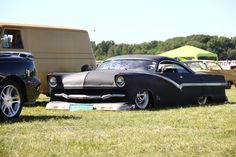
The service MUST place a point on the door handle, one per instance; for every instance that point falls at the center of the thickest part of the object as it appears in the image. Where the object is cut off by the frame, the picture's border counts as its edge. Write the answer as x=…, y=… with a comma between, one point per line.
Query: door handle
x=181, y=77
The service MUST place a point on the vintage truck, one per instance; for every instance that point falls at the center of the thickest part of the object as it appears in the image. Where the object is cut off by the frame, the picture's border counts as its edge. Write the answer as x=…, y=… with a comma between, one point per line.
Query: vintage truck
x=55, y=49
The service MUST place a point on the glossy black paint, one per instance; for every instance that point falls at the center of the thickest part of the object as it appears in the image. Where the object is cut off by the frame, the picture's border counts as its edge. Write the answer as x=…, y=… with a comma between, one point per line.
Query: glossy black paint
x=14, y=67
x=165, y=88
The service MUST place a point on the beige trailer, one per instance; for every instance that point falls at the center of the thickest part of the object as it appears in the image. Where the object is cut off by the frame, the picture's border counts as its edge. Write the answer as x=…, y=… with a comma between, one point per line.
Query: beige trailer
x=55, y=49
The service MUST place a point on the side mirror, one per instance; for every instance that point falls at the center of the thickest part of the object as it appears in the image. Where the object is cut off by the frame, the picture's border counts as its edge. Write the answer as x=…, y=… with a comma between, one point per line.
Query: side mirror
x=6, y=40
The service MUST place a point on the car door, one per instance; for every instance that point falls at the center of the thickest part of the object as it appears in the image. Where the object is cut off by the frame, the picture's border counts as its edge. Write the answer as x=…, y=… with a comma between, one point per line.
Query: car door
x=186, y=81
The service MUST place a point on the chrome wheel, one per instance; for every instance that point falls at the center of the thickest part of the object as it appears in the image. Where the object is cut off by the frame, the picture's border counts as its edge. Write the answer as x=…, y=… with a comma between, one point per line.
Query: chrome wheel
x=202, y=100
x=10, y=101
x=142, y=99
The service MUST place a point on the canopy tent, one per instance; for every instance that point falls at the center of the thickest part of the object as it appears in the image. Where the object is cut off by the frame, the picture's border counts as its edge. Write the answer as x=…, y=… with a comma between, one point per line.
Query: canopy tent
x=190, y=53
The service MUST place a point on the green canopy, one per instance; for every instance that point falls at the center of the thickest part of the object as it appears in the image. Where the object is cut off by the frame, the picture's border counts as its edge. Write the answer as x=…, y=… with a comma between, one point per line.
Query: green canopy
x=190, y=53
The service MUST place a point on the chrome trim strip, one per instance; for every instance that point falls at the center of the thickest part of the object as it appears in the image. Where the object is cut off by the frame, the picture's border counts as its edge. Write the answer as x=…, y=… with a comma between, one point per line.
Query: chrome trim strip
x=200, y=84
x=169, y=80
x=181, y=86
x=84, y=97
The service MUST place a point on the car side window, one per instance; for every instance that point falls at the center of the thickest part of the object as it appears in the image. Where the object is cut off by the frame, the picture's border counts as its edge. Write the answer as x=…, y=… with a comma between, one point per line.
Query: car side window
x=171, y=67
x=12, y=39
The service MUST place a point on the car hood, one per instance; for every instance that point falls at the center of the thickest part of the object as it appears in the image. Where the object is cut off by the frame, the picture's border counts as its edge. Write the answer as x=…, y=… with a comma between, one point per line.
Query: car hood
x=90, y=79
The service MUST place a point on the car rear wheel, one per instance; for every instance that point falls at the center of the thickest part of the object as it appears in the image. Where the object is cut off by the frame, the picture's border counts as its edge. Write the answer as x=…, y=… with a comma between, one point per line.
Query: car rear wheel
x=142, y=99
x=202, y=100
x=10, y=100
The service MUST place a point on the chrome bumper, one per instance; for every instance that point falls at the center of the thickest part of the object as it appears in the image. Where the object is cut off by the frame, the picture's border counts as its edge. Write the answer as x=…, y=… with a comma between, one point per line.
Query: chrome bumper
x=87, y=97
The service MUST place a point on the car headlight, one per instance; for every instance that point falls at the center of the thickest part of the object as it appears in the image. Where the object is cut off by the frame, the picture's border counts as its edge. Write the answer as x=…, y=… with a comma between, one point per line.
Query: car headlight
x=120, y=81
x=52, y=81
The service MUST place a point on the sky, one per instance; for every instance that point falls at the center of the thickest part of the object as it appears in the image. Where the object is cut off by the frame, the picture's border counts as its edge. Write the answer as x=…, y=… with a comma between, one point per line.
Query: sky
x=128, y=21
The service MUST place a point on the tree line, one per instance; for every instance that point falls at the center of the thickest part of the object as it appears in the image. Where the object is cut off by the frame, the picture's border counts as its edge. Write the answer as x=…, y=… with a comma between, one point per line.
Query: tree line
x=224, y=47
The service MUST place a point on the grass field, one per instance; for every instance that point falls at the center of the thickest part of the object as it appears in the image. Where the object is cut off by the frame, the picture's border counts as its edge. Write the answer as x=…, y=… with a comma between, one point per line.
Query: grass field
x=191, y=131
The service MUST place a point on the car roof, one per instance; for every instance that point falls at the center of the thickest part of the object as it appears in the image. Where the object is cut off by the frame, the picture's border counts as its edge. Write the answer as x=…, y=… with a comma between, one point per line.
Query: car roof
x=200, y=61
x=157, y=58
x=39, y=26
x=142, y=56
x=189, y=61
x=15, y=53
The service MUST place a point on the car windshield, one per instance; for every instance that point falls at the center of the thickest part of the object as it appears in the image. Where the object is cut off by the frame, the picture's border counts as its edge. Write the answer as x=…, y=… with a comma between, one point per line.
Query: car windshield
x=125, y=64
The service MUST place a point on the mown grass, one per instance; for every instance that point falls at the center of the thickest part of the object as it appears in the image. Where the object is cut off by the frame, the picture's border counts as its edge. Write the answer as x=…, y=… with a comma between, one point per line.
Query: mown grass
x=191, y=131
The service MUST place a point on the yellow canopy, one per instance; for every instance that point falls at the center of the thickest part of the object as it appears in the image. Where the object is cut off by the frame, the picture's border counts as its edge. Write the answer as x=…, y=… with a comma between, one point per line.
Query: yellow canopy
x=190, y=53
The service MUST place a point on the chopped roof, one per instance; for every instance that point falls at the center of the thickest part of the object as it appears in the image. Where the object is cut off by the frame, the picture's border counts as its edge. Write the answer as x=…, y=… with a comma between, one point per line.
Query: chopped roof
x=140, y=56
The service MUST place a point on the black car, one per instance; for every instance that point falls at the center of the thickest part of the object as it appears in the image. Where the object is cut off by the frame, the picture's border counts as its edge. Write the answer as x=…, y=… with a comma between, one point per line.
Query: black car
x=143, y=80
x=18, y=83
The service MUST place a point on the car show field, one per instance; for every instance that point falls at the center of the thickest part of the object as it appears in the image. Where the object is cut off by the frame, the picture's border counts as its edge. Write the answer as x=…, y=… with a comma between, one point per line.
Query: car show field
x=119, y=79
x=180, y=131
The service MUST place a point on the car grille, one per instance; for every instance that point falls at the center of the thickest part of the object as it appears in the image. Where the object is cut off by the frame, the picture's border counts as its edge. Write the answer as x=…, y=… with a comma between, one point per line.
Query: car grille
x=90, y=92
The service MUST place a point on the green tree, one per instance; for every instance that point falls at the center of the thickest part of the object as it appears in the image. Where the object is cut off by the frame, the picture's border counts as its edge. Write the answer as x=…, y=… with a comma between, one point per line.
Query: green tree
x=222, y=46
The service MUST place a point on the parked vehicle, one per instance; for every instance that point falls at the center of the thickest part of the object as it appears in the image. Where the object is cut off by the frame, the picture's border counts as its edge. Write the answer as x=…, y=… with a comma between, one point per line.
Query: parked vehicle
x=18, y=83
x=55, y=49
x=213, y=67
x=143, y=80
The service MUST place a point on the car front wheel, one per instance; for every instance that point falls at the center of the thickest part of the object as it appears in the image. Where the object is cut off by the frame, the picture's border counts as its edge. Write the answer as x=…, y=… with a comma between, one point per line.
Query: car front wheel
x=142, y=99
x=10, y=100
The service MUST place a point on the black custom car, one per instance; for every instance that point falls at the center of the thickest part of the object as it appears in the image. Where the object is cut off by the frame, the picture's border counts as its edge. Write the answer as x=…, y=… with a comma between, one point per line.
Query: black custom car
x=18, y=83
x=143, y=80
